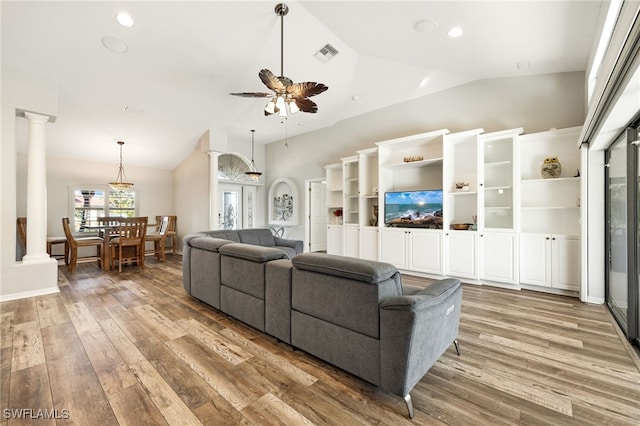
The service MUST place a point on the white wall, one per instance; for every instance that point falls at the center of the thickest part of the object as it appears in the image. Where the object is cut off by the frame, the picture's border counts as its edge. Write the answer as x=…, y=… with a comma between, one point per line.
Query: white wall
x=536, y=103
x=192, y=186
x=154, y=187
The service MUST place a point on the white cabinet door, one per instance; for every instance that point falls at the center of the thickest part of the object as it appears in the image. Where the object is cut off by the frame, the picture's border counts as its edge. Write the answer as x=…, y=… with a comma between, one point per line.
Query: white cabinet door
x=351, y=241
x=393, y=247
x=535, y=259
x=334, y=239
x=369, y=243
x=461, y=254
x=565, y=262
x=425, y=251
x=498, y=257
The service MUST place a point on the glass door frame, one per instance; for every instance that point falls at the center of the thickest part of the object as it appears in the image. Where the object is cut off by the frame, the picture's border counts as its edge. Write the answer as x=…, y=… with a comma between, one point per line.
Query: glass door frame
x=631, y=327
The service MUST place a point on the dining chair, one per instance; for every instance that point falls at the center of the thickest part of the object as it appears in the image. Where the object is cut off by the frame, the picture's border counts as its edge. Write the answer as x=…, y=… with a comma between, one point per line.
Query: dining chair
x=128, y=246
x=51, y=241
x=75, y=243
x=159, y=237
x=171, y=232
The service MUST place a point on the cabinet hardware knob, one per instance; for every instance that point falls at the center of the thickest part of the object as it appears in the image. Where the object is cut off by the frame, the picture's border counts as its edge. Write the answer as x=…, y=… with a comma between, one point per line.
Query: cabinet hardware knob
x=547, y=238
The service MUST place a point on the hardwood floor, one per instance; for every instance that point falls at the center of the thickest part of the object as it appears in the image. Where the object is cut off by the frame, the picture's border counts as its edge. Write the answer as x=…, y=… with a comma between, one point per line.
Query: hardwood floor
x=133, y=348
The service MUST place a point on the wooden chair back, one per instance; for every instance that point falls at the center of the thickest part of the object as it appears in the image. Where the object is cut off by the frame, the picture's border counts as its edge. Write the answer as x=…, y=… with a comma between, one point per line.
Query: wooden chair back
x=22, y=231
x=111, y=224
x=66, y=226
x=131, y=230
x=171, y=230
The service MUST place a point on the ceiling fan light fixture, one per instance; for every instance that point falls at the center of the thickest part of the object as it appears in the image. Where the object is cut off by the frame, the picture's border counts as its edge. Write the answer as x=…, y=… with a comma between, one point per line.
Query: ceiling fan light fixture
x=284, y=89
x=271, y=107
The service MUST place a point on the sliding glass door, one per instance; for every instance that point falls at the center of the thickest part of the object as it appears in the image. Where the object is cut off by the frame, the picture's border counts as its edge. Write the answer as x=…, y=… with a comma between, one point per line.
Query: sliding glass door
x=617, y=274
x=623, y=242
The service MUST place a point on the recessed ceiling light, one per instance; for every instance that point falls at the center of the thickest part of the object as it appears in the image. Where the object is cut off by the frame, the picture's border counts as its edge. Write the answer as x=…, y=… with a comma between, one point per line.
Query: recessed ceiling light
x=115, y=44
x=425, y=26
x=355, y=97
x=455, y=32
x=124, y=19
x=424, y=82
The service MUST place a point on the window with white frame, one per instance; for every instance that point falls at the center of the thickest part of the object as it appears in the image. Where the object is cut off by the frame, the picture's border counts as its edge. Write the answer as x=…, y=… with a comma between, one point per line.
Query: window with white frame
x=90, y=202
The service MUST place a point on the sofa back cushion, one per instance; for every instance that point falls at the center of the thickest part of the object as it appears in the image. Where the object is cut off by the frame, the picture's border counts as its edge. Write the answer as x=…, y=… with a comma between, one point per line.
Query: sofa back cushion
x=347, y=298
x=224, y=234
x=346, y=267
x=259, y=237
x=208, y=244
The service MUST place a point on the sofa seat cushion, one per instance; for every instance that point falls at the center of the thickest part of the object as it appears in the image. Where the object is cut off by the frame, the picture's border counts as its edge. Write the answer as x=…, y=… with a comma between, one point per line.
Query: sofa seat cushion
x=259, y=237
x=345, y=267
x=208, y=243
x=252, y=252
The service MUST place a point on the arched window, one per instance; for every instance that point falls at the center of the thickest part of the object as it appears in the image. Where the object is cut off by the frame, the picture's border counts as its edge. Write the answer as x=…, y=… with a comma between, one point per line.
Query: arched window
x=231, y=167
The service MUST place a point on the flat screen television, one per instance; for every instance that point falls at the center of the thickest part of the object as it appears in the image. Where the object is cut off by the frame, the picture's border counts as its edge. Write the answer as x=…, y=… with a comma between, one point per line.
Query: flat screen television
x=413, y=208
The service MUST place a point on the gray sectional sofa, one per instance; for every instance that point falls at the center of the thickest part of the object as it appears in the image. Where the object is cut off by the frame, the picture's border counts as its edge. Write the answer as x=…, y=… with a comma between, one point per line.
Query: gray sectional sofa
x=352, y=313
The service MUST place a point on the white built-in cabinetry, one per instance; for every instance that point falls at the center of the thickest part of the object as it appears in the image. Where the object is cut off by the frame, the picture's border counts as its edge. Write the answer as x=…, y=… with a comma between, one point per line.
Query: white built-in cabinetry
x=523, y=229
x=550, y=211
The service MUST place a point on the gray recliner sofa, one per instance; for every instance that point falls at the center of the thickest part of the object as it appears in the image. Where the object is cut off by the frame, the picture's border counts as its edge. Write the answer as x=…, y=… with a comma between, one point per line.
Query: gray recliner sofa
x=352, y=313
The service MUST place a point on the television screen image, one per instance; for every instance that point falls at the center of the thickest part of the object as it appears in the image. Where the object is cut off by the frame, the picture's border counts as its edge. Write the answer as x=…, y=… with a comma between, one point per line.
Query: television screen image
x=413, y=208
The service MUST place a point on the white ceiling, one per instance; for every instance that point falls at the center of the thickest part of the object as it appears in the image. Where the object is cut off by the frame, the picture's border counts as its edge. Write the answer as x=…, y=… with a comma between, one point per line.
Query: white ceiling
x=184, y=58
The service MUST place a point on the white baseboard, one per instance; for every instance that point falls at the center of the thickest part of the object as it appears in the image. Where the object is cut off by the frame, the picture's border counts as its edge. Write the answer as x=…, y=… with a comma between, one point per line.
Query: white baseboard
x=33, y=293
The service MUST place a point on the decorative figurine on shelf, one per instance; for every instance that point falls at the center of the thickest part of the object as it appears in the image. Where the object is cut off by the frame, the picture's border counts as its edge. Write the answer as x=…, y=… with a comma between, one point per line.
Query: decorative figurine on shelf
x=337, y=216
x=462, y=186
x=551, y=168
x=374, y=220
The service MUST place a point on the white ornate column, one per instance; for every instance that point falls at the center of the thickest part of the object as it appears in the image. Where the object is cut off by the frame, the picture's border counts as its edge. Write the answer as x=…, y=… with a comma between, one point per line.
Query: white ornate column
x=36, y=190
x=214, y=220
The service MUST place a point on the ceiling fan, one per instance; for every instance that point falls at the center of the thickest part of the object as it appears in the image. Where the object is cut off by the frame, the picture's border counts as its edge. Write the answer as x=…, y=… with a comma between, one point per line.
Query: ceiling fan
x=286, y=95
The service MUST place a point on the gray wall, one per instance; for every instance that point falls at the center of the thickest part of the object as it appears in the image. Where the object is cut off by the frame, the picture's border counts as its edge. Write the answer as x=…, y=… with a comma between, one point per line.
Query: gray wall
x=537, y=103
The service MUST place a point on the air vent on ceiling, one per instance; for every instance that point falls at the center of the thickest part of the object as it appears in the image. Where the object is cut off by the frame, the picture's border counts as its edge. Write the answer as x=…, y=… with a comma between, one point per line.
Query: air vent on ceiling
x=326, y=53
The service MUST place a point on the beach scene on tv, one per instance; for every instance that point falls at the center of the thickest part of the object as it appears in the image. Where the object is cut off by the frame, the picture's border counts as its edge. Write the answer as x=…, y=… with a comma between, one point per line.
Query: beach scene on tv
x=413, y=208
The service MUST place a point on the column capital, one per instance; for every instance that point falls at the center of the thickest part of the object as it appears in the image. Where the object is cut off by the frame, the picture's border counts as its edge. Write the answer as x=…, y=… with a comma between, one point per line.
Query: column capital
x=34, y=116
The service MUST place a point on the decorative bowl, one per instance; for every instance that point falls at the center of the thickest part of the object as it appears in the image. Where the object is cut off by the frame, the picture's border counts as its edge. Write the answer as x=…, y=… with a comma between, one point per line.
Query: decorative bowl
x=460, y=226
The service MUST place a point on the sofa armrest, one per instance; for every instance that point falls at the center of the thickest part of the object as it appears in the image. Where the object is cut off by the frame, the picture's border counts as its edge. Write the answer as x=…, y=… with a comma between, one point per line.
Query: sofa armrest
x=297, y=245
x=415, y=330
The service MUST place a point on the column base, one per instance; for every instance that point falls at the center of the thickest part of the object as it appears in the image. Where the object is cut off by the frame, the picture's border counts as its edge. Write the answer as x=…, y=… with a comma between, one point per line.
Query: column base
x=37, y=258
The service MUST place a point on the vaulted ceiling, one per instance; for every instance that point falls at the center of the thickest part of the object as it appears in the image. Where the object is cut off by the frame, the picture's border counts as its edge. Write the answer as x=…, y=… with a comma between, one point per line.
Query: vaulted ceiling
x=182, y=60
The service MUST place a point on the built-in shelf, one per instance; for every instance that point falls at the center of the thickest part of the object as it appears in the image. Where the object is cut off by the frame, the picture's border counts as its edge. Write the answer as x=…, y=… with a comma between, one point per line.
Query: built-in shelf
x=496, y=188
x=497, y=164
x=549, y=207
x=369, y=196
x=414, y=164
x=560, y=179
x=499, y=208
x=463, y=192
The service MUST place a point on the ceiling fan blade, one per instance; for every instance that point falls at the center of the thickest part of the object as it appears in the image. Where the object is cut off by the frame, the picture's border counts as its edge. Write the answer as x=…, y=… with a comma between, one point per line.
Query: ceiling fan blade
x=253, y=94
x=306, y=89
x=271, y=81
x=306, y=105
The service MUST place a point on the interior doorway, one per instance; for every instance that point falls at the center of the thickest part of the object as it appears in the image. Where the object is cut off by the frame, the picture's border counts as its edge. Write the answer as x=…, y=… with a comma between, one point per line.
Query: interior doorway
x=315, y=215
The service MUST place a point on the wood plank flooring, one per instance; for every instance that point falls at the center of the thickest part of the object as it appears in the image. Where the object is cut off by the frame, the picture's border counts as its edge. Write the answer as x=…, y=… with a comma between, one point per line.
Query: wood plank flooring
x=132, y=348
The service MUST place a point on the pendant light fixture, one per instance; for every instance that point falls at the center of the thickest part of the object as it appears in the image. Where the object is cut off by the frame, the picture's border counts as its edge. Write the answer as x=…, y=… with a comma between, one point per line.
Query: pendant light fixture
x=253, y=172
x=119, y=184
